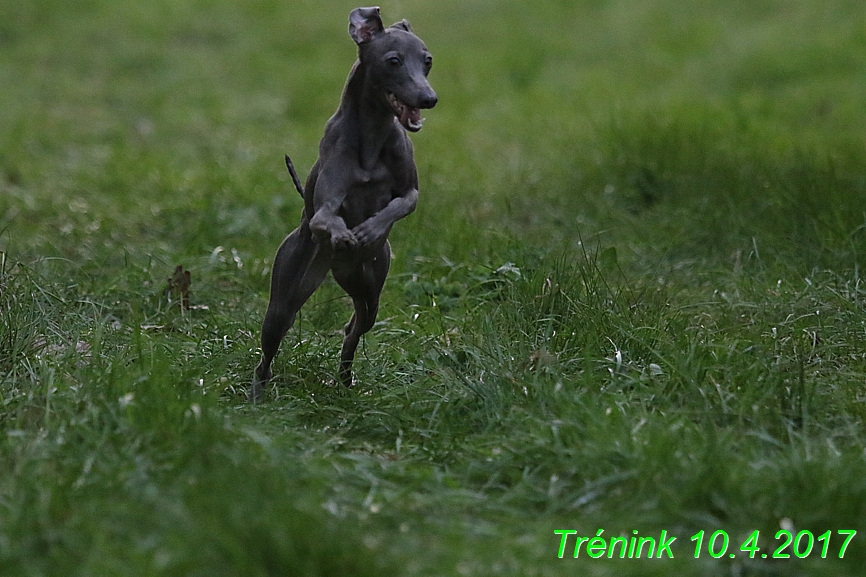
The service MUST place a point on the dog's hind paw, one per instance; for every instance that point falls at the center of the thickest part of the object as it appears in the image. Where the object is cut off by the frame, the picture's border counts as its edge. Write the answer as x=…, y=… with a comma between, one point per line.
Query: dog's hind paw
x=258, y=386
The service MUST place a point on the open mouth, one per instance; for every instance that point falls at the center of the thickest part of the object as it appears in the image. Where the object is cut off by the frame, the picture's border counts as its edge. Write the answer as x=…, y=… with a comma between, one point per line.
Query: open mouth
x=409, y=117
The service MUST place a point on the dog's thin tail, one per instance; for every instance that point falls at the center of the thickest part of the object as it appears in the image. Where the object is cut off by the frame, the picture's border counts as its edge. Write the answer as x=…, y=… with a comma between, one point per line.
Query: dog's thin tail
x=298, y=186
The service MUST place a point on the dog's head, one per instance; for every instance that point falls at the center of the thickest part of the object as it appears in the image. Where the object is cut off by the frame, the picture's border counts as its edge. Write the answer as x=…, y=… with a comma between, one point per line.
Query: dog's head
x=398, y=62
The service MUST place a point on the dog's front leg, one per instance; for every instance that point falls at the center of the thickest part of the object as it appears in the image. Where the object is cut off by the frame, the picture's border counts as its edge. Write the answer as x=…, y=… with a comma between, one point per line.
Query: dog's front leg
x=377, y=227
x=326, y=224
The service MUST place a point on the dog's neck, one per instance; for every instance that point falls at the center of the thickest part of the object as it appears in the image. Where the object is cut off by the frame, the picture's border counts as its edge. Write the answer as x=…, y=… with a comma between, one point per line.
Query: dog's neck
x=371, y=119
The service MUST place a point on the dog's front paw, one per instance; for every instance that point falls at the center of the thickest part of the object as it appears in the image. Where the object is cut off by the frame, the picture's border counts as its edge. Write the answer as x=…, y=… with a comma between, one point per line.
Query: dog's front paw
x=343, y=240
x=368, y=233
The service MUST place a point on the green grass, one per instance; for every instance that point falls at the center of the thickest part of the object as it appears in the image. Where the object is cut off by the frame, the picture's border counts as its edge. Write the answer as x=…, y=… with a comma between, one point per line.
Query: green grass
x=630, y=298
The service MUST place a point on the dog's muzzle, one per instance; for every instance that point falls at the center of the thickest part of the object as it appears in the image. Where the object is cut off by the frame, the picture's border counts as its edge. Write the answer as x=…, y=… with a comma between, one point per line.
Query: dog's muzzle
x=410, y=116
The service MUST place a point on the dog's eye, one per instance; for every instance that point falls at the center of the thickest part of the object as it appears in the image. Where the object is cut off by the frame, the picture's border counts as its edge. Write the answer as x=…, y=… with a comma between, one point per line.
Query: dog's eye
x=394, y=61
x=428, y=62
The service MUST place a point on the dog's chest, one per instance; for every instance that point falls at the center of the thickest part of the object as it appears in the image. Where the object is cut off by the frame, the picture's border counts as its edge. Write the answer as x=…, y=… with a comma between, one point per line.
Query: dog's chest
x=370, y=192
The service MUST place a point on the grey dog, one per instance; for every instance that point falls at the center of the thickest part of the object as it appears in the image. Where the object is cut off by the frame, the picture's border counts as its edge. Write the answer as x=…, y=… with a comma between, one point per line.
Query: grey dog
x=363, y=182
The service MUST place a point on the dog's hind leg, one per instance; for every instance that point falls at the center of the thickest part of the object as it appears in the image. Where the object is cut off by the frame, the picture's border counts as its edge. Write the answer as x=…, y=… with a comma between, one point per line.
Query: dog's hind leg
x=299, y=268
x=363, y=282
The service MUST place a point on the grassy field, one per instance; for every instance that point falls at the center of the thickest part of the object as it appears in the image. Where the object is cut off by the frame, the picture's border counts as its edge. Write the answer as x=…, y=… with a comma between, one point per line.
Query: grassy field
x=630, y=299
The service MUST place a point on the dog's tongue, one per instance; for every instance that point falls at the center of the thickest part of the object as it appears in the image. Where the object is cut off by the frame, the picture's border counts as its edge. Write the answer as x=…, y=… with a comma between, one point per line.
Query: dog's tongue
x=410, y=117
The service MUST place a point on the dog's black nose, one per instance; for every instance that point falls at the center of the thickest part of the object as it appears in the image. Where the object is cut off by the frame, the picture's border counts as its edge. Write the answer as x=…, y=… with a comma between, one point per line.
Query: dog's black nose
x=429, y=101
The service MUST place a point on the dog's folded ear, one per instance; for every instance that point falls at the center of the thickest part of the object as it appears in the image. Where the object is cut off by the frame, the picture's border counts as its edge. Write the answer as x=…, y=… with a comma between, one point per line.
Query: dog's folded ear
x=403, y=25
x=364, y=24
